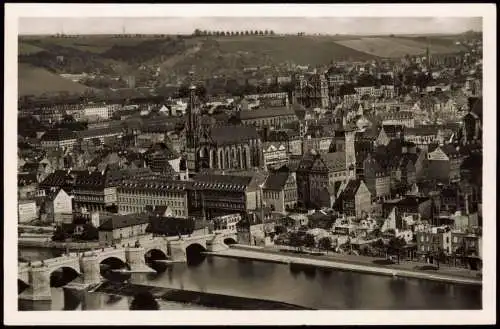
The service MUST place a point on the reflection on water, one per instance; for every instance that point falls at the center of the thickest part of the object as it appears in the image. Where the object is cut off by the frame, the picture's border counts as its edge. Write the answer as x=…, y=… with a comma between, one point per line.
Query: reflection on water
x=310, y=287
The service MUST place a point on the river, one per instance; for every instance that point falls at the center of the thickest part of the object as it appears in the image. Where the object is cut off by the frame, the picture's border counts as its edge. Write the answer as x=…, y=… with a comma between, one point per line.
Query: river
x=318, y=288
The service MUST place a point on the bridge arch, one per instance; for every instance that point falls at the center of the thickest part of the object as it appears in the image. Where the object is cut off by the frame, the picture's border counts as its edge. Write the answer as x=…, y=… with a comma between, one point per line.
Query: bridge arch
x=63, y=274
x=21, y=286
x=230, y=240
x=155, y=254
x=196, y=247
x=119, y=254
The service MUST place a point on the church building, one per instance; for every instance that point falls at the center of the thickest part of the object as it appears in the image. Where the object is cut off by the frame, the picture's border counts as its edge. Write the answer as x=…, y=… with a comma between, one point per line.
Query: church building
x=219, y=146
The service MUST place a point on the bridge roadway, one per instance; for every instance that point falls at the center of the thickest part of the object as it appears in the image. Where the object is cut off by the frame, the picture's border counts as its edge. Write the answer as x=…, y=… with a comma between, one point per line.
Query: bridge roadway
x=87, y=264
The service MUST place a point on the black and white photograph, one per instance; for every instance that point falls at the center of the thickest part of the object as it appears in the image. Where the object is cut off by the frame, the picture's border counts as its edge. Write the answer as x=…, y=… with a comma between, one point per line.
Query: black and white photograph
x=250, y=160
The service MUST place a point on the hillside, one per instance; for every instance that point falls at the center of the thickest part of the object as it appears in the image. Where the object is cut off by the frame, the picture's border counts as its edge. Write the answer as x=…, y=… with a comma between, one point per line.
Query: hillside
x=393, y=47
x=208, y=55
x=36, y=81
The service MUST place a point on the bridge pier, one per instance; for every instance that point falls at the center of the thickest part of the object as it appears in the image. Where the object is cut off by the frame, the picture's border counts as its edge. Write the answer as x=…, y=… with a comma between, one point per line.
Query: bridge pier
x=39, y=285
x=91, y=302
x=177, y=251
x=216, y=244
x=90, y=269
x=136, y=261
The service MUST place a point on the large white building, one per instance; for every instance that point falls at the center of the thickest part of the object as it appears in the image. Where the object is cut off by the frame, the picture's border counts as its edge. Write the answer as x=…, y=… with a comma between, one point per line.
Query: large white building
x=26, y=211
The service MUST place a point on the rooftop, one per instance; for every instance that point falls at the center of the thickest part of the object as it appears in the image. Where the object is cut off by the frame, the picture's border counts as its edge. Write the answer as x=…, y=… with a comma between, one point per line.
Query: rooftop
x=121, y=221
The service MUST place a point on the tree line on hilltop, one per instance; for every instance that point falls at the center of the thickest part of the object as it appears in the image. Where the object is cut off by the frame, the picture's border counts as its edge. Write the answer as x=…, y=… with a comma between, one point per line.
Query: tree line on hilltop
x=199, y=32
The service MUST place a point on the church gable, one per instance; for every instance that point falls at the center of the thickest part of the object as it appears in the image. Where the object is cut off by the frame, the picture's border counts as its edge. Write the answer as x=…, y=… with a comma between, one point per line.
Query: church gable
x=438, y=154
x=319, y=165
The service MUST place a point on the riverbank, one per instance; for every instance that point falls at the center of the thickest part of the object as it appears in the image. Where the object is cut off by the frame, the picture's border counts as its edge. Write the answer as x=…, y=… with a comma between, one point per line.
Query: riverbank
x=395, y=270
x=196, y=297
x=49, y=244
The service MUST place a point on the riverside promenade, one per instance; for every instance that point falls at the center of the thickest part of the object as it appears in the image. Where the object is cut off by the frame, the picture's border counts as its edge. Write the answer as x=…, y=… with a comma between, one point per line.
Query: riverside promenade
x=353, y=263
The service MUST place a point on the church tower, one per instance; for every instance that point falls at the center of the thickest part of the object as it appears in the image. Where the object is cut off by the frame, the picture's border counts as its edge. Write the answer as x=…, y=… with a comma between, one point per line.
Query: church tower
x=350, y=151
x=192, y=131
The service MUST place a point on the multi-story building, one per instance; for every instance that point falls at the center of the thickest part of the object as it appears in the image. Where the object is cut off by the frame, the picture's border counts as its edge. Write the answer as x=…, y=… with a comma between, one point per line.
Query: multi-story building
x=444, y=164
x=219, y=147
x=95, y=191
x=355, y=199
x=280, y=191
x=212, y=195
x=275, y=154
x=58, y=138
x=102, y=134
x=290, y=137
x=272, y=116
x=326, y=175
x=402, y=118
x=26, y=211
x=423, y=136
x=312, y=92
x=318, y=144
x=58, y=207
x=376, y=178
x=97, y=112
x=118, y=227
x=226, y=223
x=303, y=178
x=135, y=194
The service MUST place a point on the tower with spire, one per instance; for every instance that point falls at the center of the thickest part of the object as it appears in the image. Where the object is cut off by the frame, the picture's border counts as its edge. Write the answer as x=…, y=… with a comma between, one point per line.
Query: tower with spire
x=192, y=129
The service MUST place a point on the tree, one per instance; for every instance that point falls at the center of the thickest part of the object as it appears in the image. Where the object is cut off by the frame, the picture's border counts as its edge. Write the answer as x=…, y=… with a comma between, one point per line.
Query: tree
x=59, y=234
x=247, y=33
x=309, y=241
x=90, y=233
x=266, y=32
x=144, y=301
x=271, y=32
x=325, y=243
x=296, y=240
x=380, y=246
x=395, y=246
x=256, y=32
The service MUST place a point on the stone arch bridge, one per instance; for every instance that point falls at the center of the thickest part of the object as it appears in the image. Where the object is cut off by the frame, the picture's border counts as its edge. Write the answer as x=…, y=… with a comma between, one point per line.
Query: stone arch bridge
x=87, y=264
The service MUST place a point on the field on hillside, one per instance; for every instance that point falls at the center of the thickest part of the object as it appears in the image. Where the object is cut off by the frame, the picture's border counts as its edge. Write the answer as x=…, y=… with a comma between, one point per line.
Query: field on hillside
x=28, y=49
x=300, y=50
x=391, y=47
x=89, y=43
x=36, y=81
x=229, y=55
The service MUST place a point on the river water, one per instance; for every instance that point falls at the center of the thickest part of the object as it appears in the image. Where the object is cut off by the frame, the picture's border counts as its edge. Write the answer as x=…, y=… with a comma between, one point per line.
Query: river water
x=318, y=288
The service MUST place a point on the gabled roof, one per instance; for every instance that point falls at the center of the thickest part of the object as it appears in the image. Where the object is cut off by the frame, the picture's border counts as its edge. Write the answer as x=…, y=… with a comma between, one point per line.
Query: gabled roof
x=269, y=112
x=58, y=135
x=351, y=189
x=335, y=161
x=306, y=162
x=421, y=131
x=58, y=178
x=276, y=181
x=121, y=221
x=233, y=134
x=26, y=179
x=221, y=182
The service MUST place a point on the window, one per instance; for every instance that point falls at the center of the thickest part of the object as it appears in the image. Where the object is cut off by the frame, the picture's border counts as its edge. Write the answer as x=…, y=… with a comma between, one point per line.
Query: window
x=421, y=238
x=455, y=239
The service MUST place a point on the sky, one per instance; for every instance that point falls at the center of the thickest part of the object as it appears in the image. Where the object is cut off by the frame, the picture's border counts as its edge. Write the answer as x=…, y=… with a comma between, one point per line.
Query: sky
x=186, y=25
